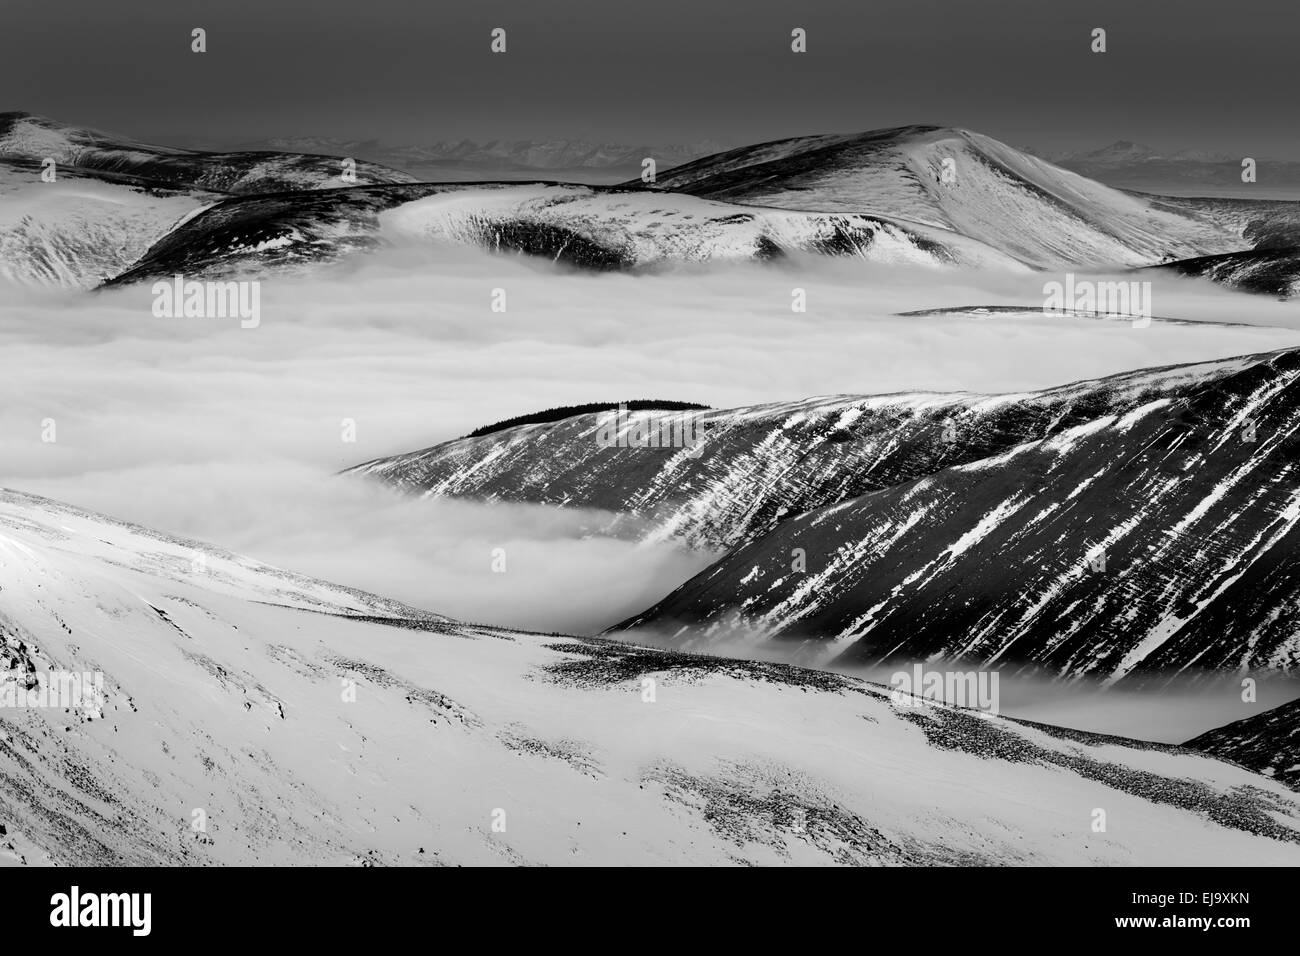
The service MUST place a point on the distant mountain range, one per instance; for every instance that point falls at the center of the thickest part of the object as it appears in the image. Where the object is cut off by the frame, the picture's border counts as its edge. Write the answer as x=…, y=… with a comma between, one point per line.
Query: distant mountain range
x=541, y=156
x=1123, y=152
x=1122, y=164
x=1185, y=172
x=125, y=212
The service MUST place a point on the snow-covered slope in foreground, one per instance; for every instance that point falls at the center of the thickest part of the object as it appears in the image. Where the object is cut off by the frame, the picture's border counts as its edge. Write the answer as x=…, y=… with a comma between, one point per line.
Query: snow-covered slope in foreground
x=254, y=716
x=972, y=184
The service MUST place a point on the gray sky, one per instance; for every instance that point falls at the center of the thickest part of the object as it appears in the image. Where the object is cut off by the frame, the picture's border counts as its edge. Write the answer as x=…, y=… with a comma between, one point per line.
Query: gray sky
x=1199, y=73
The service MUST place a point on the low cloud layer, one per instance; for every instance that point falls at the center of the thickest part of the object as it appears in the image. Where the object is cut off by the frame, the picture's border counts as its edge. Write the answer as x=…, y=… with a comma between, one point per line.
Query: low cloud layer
x=201, y=428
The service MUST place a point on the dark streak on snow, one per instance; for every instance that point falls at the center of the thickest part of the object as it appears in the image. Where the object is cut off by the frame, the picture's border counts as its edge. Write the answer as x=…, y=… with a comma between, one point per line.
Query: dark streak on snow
x=599, y=663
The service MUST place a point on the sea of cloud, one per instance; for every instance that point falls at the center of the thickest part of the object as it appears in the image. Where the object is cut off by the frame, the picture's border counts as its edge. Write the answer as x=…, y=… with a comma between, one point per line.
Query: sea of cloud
x=202, y=428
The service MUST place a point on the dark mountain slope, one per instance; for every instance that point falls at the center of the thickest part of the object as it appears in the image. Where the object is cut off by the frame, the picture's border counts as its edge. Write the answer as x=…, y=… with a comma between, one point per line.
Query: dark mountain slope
x=1268, y=743
x=755, y=466
x=1160, y=538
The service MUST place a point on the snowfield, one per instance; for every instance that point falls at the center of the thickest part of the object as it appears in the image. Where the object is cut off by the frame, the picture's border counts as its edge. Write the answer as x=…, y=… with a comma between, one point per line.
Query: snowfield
x=254, y=716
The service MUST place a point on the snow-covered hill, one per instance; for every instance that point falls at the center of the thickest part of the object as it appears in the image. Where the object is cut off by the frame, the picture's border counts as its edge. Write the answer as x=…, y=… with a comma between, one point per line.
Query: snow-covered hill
x=952, y=525
x=759, y=465
x=253, y=716
x=112, y=199
x=968, y=183
x=84, y=227
x=1268, y=743
x=296, y=209
x=36, y=138
x=583, y=226
x=1159, y=538
x=1274, y=270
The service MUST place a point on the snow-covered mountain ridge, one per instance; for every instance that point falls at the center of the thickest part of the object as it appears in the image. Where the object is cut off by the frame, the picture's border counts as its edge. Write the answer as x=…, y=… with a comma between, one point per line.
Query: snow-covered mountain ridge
x=758, y=465
x=1157, y=539
x=972, y=184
